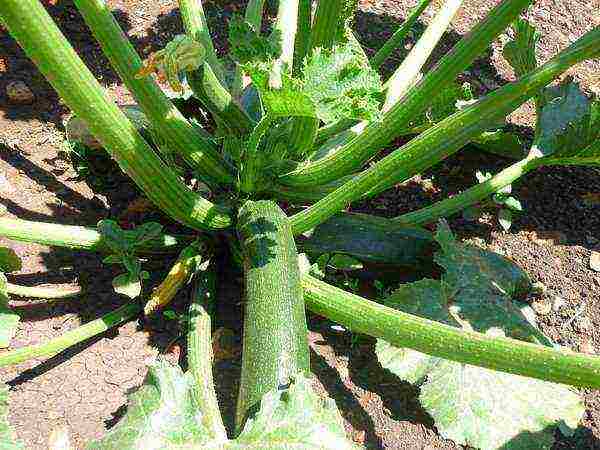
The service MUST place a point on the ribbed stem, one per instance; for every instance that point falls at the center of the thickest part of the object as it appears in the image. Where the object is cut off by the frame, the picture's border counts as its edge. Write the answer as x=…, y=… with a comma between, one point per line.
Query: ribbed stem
x=393, y=42
x=449, y=206
x=199, y=153
x=405, y=330
x=76, y=237
x=218, y=100
x=194, y=22
x=56, y=345
x=42, y=292
x=408, y=72
x=446, y=137
x=200, y=353
x=353, y=155
x=43, y=42
x=302, y=34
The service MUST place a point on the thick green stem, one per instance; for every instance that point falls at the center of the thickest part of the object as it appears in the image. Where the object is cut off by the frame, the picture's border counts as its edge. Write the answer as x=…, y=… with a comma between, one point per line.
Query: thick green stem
x=200, y=353
x=436, y=339
x=43, y=42
x=449, y=206
x=446, y=137
x=393, y=42
x=194, y=22
x=76, y=237
x=56, y=345
x=42, y=292
x=302, y=34
x=356, y=152
x=200, y=153
x=407, y=74
x=218, y=100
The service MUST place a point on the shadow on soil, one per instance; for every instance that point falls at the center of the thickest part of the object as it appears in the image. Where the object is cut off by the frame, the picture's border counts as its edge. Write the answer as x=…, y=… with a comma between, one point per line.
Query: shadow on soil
x=552, y=200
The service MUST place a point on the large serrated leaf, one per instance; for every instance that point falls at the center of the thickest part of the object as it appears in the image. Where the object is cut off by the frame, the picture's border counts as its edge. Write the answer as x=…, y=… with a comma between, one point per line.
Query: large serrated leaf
x=8, y=440
x=467, y=403
x=370, y=239
x=294, y=417
x=9, y=320
x=162, y=415
x=342, y=85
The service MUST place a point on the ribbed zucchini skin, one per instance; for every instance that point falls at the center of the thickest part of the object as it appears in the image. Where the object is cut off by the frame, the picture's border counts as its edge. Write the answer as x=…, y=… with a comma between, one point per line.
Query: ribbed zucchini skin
x=275, y=345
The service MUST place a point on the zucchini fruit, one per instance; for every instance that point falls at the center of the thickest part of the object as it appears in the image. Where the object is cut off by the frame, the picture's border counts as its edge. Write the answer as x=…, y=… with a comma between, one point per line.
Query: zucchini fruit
x=275, y=345
x=371, y=239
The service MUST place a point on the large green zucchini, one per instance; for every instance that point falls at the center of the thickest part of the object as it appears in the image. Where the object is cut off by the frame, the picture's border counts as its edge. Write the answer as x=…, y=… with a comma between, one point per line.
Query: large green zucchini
x=275, y=345
x=370, y=239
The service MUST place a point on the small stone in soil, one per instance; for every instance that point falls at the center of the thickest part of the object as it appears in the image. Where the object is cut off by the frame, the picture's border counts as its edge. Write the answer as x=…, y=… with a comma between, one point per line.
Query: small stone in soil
x=542, y=308
x=557, y=303
x=595, y=261
x=19, y=93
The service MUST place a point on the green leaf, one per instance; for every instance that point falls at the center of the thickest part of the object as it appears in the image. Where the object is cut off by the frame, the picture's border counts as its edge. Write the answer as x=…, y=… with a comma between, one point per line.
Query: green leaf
x=505, y=218
x=160, y=415
x=128, y=284
x=163, y=415
x=9, y=260
x=568, y=122
x=520, y=52
x=514, y=204
x=248, y=46
x=486, y=409
x=294, y=417
x=8, y=439
x=143, y=233
x=113, y=236
x=344, y=262
x=342, y=84
x=467, y=403
x=9, y=320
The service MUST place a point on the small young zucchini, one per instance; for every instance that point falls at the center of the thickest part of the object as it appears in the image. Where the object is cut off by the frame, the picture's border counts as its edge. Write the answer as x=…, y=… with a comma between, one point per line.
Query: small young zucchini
x=275, y=345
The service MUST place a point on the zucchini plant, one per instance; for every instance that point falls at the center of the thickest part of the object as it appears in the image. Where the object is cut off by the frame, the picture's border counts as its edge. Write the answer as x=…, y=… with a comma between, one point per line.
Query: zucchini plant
x=296, y=116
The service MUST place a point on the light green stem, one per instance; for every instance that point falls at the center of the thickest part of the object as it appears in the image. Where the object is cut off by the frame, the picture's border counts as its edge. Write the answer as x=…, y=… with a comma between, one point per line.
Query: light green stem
x=393, y=42
x=302, y=34
x=56, y=345
x=33, y=28
x=218, y=100
x=449, y=206
x=356, y=152
x=194, y=22
x=200, y=353
x=407, y=74
x=76, y=237
x=199, y=153
x=41, y=292
x=405, y=330
x=446, y=137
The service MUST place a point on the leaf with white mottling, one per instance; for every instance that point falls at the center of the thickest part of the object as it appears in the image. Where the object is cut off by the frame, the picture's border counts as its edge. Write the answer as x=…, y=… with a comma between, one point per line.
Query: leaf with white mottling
x=467, y=403
x=296, y=418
